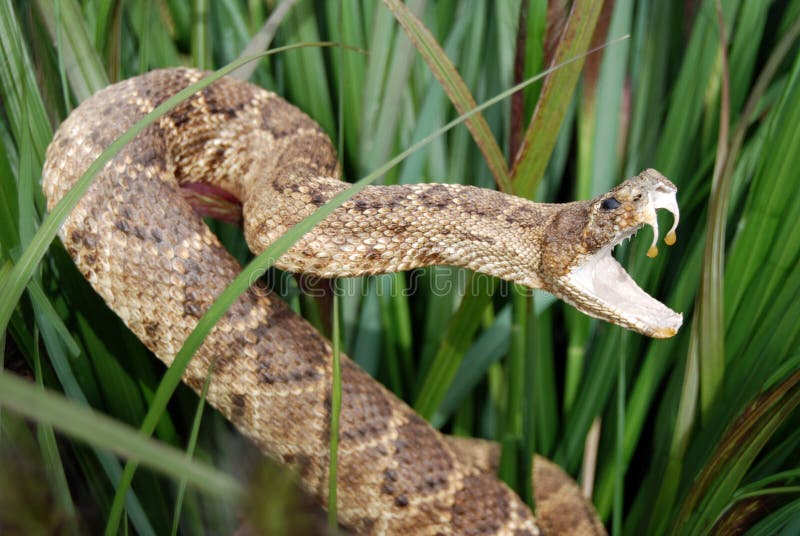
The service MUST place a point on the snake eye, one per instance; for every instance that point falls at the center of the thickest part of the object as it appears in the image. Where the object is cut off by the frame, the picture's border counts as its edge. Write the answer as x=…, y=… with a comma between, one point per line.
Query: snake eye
x=610, y=203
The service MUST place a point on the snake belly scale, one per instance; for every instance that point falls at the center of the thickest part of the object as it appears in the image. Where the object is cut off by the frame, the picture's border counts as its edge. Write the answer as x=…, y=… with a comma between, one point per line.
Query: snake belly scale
x=157, y=265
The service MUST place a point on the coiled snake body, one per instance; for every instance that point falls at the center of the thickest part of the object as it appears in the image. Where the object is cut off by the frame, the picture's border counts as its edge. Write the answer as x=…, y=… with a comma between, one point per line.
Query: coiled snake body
x=158, y=266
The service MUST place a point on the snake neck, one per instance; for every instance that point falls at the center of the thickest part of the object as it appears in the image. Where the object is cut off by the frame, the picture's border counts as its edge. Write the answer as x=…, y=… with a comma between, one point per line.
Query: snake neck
x=394, y=228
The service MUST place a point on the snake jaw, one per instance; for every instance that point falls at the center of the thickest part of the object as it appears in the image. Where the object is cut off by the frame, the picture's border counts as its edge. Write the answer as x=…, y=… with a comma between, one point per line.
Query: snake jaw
x=602, y=288
x=597, y=284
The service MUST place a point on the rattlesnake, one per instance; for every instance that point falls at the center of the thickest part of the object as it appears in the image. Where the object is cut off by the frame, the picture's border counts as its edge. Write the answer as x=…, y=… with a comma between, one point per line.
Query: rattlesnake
x=158, y=266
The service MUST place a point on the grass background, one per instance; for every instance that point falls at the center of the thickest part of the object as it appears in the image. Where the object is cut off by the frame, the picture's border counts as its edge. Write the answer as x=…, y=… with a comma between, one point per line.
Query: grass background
x=692, y=435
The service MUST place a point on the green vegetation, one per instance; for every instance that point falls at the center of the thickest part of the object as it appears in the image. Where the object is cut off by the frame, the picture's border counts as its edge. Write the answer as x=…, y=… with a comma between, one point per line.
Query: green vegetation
x=694, y=435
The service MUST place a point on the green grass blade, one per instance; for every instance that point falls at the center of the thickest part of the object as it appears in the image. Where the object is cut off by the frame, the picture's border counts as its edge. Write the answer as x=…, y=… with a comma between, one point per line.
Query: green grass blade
x=379, y=45
x=679, y=136
x=149, y=24
x=51, y=317
x=201, y=50
x=336, y=408
x=762, y=222
x=17, y=83
x=81, y=61
x=50, y=453
x=230, y=32
x=609, y=115
x=47, y=407
x=462, y=328
x=350, y=71
x=544, y=387
x=444, y=71
x=190, y=448
x=367, y=344
x=261, y=41
x=469, y=56
x=385, y=87
x=307, y=83
x=490, y=346
x=619, y=439
x=517, y=457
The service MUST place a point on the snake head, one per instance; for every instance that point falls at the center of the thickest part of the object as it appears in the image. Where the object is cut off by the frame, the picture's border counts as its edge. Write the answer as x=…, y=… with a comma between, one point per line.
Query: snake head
x=578, y=265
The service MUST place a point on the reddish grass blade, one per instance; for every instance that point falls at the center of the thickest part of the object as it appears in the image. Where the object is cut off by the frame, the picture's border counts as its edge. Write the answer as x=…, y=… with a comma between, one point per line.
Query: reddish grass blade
x=554, y=99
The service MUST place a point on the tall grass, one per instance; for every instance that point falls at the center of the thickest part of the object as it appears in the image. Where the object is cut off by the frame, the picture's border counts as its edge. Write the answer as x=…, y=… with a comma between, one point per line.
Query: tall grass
x=698, y=434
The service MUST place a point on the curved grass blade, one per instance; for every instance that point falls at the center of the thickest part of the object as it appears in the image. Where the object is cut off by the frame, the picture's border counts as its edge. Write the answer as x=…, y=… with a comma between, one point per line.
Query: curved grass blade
x=710, y=307
x=679, y=135
x=784, y=520
x=307, y=81
x=444, y=71
x=50, y=408
x=746, y=436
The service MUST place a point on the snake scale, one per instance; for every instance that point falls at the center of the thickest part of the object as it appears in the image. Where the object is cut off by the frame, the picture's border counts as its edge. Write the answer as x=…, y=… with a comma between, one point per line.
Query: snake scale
x=159, y=267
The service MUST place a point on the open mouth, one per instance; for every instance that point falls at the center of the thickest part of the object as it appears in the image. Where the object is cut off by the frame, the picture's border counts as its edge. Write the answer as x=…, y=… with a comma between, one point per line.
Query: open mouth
x=613, y=294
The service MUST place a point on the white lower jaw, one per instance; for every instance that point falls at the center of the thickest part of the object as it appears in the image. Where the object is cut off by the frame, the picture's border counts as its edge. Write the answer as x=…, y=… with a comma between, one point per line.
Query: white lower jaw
x=602, y=281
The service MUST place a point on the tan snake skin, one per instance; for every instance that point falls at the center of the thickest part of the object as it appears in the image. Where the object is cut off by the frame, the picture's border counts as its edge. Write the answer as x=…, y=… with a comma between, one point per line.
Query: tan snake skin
x=159, y=268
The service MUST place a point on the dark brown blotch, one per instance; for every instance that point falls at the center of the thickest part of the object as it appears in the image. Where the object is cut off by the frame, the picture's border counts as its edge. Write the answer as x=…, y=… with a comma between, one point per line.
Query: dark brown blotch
x=181, y=116
x=239, y=404
x=151, y=329
x=217, y=158
x=472, y=237
x=76, y=236
x=148, y=156
x=282, y=119
x=191, y=308
x=318, y=199
x=218, y=104
x=481, y=506
x=436, y=197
